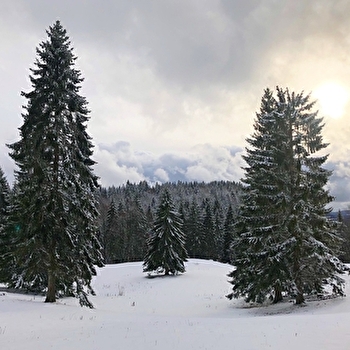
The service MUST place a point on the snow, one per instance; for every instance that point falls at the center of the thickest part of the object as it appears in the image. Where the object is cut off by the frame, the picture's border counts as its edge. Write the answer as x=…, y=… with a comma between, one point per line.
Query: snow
x=188, y=311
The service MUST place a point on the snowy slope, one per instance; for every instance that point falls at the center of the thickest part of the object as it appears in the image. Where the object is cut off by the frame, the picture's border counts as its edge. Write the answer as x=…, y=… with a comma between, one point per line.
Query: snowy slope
x=187, y=311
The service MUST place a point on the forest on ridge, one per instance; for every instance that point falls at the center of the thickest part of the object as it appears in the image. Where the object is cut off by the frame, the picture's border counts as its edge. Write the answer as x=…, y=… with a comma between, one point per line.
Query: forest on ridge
x=208, y=212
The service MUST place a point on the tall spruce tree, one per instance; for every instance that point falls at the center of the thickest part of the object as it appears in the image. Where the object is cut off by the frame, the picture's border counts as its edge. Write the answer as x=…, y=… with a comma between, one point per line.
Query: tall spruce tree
x=209, y=244
x=4, y=239
x=344, y=229
x=228, y=236
x=166, y=247
x=4, y=198
x=111, y=240
x=285, y=242
x=192, y=231
x=137, y=229
x=53, y=221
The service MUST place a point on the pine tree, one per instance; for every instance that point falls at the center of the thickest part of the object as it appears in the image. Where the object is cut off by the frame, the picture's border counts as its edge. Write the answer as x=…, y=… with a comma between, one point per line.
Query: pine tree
x=4, y=198
x=285, y=242
x=207, y=234
x=218, y=233
x=192, y=231
x=4, y=239
x=122, y=232
x=136, y=231
x=55, y=207
x=229, y=229
x=344, y=229
x=110, y=239
x=166, y=247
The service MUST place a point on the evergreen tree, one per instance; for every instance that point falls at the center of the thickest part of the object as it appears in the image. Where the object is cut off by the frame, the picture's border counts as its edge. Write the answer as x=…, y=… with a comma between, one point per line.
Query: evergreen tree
x=122, y=233
x=115, y=239
x=111, y=243
x=192, y=231
x=218, y=234
x=343, y=227
x=285, y=242
x=208, y=241
x=137, y=230
x=229, y=229
x=4, y=239
x=54, y=207
x=166, y=247
x=4, y=198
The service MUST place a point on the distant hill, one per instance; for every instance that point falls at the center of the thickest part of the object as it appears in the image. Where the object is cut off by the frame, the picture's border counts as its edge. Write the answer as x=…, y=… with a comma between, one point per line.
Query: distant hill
x=344, y=213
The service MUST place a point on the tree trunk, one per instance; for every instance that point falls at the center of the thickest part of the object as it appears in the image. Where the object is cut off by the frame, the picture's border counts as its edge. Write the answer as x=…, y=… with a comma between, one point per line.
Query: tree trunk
x=51, y=288
x=299, y=299
x=278, y=295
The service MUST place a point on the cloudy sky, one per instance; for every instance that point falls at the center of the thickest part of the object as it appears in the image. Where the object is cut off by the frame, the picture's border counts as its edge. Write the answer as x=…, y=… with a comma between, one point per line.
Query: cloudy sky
x=173, y=86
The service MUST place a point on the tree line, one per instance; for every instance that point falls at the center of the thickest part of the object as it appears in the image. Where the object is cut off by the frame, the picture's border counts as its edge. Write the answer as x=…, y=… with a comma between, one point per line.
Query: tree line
x=207, y=210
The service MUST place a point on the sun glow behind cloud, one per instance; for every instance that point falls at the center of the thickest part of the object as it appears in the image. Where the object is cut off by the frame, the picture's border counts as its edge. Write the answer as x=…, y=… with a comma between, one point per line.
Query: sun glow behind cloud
x=333, y=98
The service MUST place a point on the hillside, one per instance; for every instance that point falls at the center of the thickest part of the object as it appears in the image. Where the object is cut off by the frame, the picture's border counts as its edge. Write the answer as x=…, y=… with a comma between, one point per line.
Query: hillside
x=185, y=312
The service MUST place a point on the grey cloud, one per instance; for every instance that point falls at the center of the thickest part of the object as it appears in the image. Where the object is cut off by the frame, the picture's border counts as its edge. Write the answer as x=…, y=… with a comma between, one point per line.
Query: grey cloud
x=203, y=163
x=234, y=150
x=198, y=46
x=103, y=22
x=119, y=145
x=175, y=162
x=122, y=157
x=189, y=44
x=195, y=42
x=339, y=183
x=6, y=164
x=173, y=165
x=340, y=190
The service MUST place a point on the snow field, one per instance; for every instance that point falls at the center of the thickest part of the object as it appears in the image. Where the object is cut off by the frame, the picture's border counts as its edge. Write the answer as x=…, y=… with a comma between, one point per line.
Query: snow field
x=188, y=311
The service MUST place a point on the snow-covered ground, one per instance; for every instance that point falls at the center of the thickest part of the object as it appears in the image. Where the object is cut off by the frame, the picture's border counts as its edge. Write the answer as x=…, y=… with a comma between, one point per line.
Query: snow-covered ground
x=184, y=312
